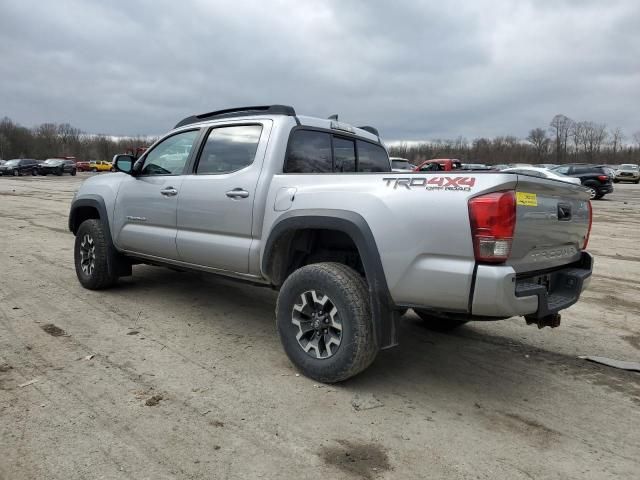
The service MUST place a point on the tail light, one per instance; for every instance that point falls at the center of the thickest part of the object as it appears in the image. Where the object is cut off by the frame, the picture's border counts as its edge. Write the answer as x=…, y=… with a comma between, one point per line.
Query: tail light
x=586, y=238
x=603, y=178
x=493, y=220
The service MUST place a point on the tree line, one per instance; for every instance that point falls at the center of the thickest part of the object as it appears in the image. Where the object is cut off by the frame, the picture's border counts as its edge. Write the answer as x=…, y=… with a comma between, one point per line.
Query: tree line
x=61, y=139
x=564, y=140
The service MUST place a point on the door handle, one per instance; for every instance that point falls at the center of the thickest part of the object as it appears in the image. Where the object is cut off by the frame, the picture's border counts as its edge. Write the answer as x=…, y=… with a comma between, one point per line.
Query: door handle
x=169, y=192
x=237, y=193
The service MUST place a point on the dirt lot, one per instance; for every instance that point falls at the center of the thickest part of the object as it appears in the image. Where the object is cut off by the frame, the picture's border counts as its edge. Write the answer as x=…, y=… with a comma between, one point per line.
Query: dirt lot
x=177, y=375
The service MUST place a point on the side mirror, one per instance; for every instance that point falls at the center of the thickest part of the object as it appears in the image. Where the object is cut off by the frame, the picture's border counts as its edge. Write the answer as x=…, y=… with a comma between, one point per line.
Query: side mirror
x=123, y=163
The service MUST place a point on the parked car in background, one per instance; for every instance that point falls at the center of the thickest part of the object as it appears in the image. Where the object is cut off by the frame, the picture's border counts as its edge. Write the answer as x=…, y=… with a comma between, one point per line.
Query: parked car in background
x=627, y=172
x=100, y=166
x=83, y=166
x=543, y=173
x=439, y=165
x=594, y=177
x=500, y=166
x=475, y=166
x=401, y=165
x=20, y=166
x=57, y=166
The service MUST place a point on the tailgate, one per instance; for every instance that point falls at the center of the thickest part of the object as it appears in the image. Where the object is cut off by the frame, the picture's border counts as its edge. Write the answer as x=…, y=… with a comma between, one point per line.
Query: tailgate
x=552, y=222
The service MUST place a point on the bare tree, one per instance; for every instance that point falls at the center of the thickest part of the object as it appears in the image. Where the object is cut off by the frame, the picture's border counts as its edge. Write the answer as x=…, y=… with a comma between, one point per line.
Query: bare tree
x=538, y=138
x=616, y=141
x=560, y=127
x=636, y=138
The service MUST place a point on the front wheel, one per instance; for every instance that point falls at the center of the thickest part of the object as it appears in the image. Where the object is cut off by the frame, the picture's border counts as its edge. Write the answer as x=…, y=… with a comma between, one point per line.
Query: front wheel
x=437, y=323
x=16, y=173
x=93, y=255
x=324, y=322
x=73, y=172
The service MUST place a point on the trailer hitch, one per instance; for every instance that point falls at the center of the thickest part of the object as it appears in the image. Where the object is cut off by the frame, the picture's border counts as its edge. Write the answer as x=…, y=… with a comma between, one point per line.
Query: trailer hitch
x=551, y=320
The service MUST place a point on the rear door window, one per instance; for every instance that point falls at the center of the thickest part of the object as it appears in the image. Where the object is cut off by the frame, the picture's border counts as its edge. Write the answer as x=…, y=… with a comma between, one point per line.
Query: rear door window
x=229, y=149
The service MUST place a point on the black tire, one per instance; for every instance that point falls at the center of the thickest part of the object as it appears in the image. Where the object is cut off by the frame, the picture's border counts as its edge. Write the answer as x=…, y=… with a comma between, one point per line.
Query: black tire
x=438, y=324
x=347, y=291
x=59, y=172
x=34, y=172
x=637, y=182
x=16, y=172
x=73, y=172
x=598, y=196
x=94, y=170
x=593, y=189
x=100, y=276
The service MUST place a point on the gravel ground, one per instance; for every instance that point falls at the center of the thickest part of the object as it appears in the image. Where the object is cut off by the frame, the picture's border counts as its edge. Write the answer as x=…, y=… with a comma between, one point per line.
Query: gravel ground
x=180, y=375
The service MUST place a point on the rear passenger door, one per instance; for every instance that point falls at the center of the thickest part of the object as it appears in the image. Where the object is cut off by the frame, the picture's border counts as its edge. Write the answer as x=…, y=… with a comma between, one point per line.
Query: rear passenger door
x=215, y=207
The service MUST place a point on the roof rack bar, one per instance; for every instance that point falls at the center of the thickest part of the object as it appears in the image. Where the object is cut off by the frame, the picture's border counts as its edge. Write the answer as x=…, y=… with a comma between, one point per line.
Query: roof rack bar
x=239, y=112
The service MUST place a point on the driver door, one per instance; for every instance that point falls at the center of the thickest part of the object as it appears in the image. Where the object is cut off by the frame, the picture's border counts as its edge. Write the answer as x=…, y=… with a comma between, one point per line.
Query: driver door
x=145, y=209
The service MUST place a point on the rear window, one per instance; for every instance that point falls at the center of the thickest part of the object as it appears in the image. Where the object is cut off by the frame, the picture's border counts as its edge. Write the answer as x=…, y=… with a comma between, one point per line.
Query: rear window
x=313, y=151
x=344, y=151
x=587, y=169
x=372, y=158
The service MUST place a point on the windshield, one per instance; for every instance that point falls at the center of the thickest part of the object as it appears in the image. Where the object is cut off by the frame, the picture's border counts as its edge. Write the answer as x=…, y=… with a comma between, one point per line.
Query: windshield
x=11, y=163
x=52, y=161
x=628, y=167
x=401, y=164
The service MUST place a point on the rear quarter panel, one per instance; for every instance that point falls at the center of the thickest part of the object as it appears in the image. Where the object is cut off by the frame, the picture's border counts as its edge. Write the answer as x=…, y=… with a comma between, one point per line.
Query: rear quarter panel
x=420, y=223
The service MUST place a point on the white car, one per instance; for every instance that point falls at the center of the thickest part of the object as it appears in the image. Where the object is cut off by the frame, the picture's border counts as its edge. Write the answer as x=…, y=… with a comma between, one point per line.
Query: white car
x=544, y=173
x=627, y=172
x=399, y=164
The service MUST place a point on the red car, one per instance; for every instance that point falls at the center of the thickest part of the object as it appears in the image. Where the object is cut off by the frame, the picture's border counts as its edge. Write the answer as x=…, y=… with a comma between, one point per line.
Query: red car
x=83, y=166
x=439, y=165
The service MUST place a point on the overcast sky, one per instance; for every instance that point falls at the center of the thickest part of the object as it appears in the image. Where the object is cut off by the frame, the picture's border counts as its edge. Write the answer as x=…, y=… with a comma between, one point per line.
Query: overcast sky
x=416, y=70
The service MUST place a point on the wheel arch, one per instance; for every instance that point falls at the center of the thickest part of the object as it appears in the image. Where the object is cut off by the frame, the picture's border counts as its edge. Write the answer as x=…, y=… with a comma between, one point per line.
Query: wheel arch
x=353, y=225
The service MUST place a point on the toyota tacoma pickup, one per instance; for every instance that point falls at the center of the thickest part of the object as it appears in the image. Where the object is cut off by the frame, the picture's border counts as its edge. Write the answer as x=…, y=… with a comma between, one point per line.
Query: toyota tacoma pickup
x=311, y=208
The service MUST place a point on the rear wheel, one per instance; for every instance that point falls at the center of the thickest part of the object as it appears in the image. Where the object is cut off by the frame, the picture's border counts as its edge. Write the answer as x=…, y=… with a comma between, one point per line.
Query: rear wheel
x=324, y=322
x=438, y=323
x=593, y=190
x=92, y=255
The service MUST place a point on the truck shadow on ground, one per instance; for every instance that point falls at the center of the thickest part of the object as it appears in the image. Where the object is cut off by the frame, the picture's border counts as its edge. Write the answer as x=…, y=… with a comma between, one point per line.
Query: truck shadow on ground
x=469, y=360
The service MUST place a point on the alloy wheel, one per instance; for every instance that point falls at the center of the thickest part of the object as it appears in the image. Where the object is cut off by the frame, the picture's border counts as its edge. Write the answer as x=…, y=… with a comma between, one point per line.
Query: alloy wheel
x=87, y=254
x=318, y=323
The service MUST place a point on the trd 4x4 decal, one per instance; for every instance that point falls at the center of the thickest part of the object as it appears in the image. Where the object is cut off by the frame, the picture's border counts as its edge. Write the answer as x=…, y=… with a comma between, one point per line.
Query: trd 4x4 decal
x=463, y=184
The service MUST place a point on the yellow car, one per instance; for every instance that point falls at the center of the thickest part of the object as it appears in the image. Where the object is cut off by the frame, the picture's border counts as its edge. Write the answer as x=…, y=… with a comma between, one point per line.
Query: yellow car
x=100, y=166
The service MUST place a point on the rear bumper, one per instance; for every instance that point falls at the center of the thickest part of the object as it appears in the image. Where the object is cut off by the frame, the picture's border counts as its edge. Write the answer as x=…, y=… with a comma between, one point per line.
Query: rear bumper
x=500, y=292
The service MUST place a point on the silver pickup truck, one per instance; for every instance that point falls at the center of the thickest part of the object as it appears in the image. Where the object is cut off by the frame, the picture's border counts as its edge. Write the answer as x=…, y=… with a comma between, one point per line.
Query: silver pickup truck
x=310, y=207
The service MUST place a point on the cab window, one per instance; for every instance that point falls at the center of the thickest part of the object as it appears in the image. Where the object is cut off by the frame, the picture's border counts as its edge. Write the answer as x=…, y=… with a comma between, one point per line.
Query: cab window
x=169, y=157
